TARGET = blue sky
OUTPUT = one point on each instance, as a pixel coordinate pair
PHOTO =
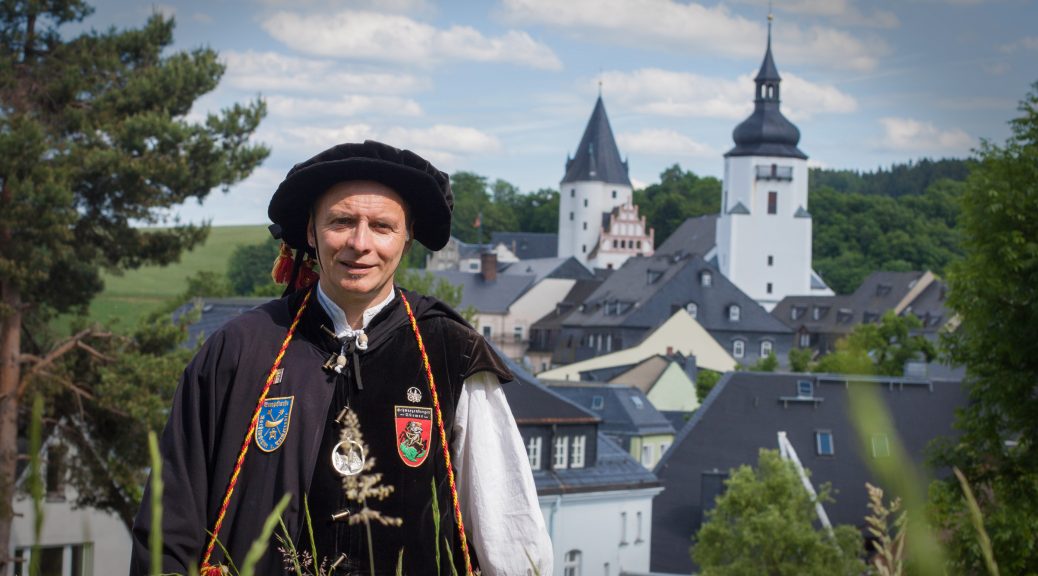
(504, 88)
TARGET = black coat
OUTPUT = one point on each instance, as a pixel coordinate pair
(214, 403)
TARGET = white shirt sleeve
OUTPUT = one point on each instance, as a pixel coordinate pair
(495, 485)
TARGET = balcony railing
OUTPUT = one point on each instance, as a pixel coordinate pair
(774, 172)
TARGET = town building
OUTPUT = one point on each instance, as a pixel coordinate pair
(598, 222)
(667, 380)
(746, 411)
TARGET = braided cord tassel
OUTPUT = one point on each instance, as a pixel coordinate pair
(443, 435)
(207, 569)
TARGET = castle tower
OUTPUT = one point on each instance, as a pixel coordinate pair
(595, 183)
(764, 229)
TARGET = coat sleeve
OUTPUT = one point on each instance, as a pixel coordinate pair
(495, 485)
(186, 447)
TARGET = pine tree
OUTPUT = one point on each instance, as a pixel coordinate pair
(94, 140)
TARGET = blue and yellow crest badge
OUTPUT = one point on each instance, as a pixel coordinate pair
(272, 426)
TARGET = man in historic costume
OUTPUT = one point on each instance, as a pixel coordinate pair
(259, 410)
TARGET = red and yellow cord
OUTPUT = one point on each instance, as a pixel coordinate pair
(443, 435)
(208, 569)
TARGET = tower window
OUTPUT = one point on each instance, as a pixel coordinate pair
(614, 193)
(583, 248)
(585, 225)
(572, 192)
(772, 202)
(771, 260)
(571, 216)
(769, 287)
(585, 202)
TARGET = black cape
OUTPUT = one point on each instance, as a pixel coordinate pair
(214, 404)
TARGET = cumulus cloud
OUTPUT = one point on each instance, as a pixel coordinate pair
(908, 135)
(367, 35)
(275, 72)
(353, 105)
(664, 143)
(693, 26)
(440, 143)
(668, 93)
(1025, 43)
(843, 12)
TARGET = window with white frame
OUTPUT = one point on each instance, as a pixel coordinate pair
(560, 454)
(646, 455)
(638, 527)
(765, 348)
(623, 528)
(693, 309)
(578, 448)
(805, 389)
(706, 278)
(571, 563)
(487, 332)
(517, 332)
(805, 339)
(533, 451)
(824, 443)
(738, 348)
(733, 313)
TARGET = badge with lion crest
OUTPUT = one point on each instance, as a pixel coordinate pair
(413, 434)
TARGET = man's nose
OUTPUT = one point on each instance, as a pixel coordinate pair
(360, 238)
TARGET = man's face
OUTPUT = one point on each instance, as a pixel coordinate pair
(360, 231)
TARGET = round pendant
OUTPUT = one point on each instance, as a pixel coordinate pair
(348, 458)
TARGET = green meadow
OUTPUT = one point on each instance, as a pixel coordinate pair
(130, 296)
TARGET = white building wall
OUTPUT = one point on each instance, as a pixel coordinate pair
(745, 241)
(106, 536)
(579, 233)
(603, 526)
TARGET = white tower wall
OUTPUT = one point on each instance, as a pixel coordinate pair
(581, 205)
(746, 241)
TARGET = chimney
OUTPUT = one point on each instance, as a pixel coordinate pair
(488, 265)
(670, 350)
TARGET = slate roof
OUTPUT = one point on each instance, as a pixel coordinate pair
(625, 410)
(573, 299)
(693, 236)
(649, 304)
(493, 297)
(878, 293)
(597, 158)
(541, 268)
(214, 313)
(534, 403)
(745, 412)
(614, 469)
(528, 245)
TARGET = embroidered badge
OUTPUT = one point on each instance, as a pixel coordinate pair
(272, 426)
(413, 433)
(414, 395)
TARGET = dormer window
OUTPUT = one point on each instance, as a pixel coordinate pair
(693, 309)
(597, 402)
(533, 452)
(637, 402)
(805, 389)
(844, 315)
(560, 454)
(578, 451)
(706, 279)
(796, 312)
(818, 312)
(733, 313)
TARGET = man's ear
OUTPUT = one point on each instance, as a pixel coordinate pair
(310, 239)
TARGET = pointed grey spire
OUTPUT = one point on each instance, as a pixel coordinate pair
(597, 158)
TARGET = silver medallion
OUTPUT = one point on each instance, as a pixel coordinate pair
(348, 458)
(414, 395)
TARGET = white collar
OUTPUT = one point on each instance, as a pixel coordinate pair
(342, 328)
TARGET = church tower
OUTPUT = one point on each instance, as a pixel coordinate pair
(764, 229)
(595, 186)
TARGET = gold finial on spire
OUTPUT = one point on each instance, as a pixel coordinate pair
(599, 81)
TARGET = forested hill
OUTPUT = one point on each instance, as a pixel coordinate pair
(899, 180)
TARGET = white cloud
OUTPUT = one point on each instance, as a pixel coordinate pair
(908, 135)
(842, 12)
(352, 105)
(694, 26)
(366, 35)
(275, 72)
(996, 68)
(1025, 43)
(667, 93)
(663, 143)
(440, 144)
(202, 18)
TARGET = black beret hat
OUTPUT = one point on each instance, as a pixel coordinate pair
(426, 190)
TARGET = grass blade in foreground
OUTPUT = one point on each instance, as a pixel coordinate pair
(155, 538)
(978, 523)
(259, 546)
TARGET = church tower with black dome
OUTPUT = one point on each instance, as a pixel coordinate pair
(764, 229)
